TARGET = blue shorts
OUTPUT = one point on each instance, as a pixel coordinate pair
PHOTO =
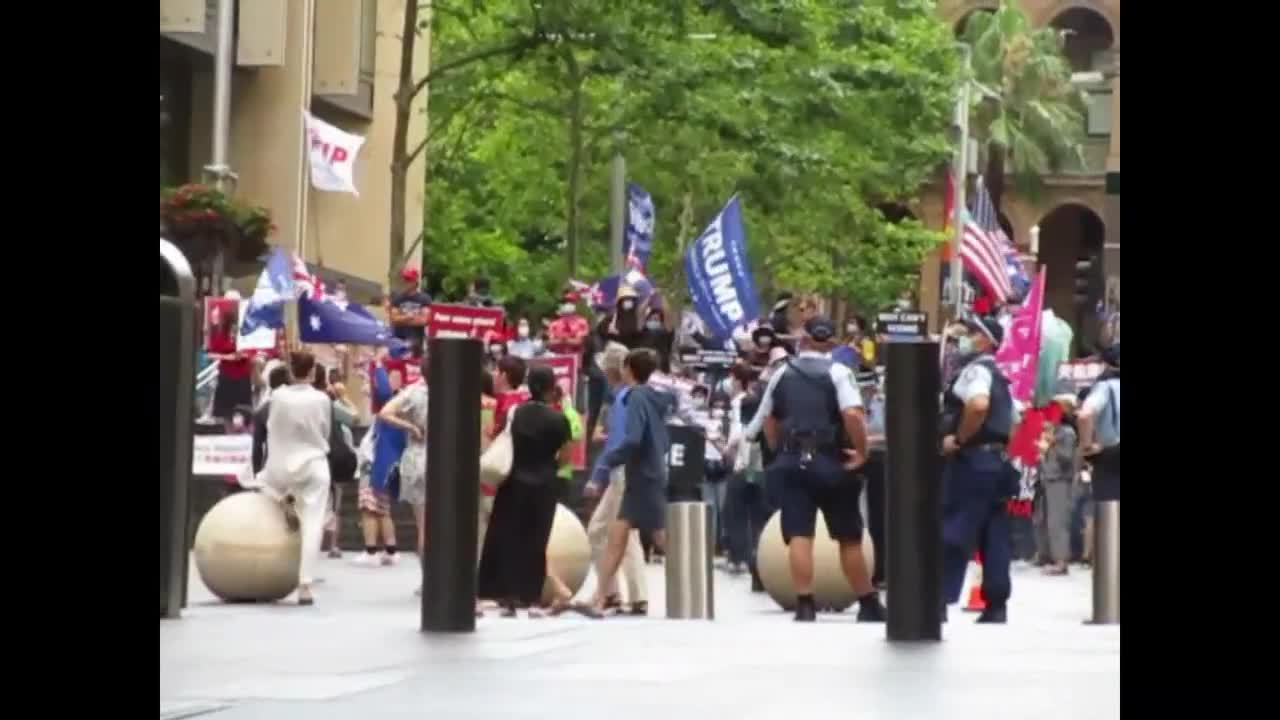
(824, 485)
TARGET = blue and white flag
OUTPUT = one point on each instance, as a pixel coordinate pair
(328, 321)
(719, 276)
(637, 241)
(275, 285)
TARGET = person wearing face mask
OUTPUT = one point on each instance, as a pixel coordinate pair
(656, 336)
(524, 345)
(718, 461)
(567, 333)
(978, 479)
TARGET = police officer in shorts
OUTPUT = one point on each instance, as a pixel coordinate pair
(977, 479)
(812, 416)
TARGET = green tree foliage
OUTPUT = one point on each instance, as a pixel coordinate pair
(1027, 113)
(816, 113)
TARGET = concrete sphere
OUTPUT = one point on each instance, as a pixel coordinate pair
(830, 588)
(569, 552)
(244, 550)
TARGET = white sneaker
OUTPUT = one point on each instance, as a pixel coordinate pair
(389, 559)
(364, 559)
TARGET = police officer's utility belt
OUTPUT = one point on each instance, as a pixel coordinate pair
(997, 447)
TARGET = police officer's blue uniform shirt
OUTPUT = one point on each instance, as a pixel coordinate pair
(847, 395)
(974, 381)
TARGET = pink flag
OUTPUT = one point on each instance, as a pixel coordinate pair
(1020, 350)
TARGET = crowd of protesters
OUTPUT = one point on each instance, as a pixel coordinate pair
(642, 370)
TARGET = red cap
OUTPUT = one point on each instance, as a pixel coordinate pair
(409, 274)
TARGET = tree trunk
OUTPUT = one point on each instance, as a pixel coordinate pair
(575, 159)
(994, 177)
(400, 138)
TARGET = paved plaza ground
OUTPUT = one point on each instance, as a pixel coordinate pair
(358, 655)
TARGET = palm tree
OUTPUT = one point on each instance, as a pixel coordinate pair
(1027, 112)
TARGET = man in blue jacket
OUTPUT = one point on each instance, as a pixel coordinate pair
(642, 451)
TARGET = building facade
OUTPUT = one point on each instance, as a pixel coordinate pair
(1078, 214)
(338, 58)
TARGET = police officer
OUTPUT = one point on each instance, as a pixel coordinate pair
(811, 414)
(978, 416)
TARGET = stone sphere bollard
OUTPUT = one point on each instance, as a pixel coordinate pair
(830, 588)
(245, 552)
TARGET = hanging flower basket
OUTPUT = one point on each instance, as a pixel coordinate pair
(203, 221)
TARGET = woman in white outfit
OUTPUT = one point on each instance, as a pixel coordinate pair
(296, 473)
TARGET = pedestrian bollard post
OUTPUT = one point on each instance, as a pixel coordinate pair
(1106, 563)
(453, 485)
(690, 546)
(688, 557)
(177, 392)
(913, 526)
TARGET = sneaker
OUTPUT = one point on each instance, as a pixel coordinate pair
(871, 610)
(365, 559)
(806, 611)
(994, 615)
(389, 559)
(336, 554)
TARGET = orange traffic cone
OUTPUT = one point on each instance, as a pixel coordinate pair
(976, 602)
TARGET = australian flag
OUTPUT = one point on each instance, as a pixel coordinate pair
(637, 241)
(331, 320)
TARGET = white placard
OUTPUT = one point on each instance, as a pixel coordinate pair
(221, 455)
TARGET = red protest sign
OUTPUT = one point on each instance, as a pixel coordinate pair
(465, 321)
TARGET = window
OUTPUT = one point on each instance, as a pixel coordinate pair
(1098, 123)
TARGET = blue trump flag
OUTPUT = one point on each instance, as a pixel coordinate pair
(275, 285)
(720, 282)
(329, 321)
(637, 240)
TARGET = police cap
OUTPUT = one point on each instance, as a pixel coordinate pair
(987, 326)
(820, 328)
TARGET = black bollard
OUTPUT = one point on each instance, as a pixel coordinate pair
(914, 485)
(453, 485)
(177, 393)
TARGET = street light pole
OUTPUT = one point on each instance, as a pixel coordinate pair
(960, 173)
(618, 186)
(218, 172)
(617, 205)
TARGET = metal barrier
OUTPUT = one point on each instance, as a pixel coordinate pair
(177, 390)
(1106, 563)
(688, 557)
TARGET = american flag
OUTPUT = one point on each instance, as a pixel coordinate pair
(982, 249)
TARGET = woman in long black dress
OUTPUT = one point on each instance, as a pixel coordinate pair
(513, 562)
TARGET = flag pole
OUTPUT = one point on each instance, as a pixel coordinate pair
(960, 173)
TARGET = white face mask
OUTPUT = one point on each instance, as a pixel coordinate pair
(653, 324)
(904, 304)
(717, 413)
(566, 309)
(523, 331)
(765, 341)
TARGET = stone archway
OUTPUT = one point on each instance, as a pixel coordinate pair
(1071, 240)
